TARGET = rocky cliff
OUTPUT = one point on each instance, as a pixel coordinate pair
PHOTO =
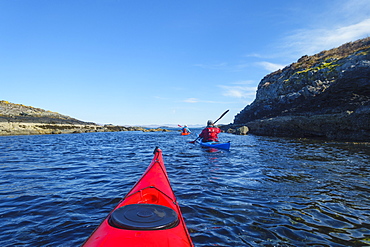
(325, 95)
(18, 119)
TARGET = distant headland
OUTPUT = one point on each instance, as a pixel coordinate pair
(18, 119)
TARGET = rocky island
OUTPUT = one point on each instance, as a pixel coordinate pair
(326, 95)
(18, 119)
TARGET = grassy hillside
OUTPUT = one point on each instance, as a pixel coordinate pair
(10, 112)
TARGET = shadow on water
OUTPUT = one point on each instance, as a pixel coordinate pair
(54, 190)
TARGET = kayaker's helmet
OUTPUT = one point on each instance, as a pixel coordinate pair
(185, 125)
(209, 123)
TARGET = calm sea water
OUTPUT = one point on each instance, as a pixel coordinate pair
(55, 189)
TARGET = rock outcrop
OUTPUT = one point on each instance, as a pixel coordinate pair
(325, 95)
(17, 119)
(243, 130)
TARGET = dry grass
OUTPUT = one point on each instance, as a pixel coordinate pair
(336, 53)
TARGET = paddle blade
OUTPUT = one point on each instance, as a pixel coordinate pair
(195, 140)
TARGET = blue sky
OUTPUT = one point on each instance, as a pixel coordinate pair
(160, 62)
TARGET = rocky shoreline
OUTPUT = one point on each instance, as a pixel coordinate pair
(347, 126)
(17, 119)
(20, 128)
(326, 95)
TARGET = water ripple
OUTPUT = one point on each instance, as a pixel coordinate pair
(54, 190)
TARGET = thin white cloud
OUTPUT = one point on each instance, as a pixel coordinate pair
(254, 55)
(355, 11)
(191, 100)
(245, 82)
(271, 67)
(308, 42)
(239, 91)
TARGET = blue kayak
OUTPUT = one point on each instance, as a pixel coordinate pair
(219, 145)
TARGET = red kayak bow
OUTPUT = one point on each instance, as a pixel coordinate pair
(147, 216)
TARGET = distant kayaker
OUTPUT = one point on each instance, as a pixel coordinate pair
(185, 129)
(210, 133)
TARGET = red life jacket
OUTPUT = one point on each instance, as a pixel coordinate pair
(210, 134)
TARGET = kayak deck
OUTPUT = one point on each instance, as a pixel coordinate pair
(148, 215)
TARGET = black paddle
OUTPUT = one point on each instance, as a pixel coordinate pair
(223, 114)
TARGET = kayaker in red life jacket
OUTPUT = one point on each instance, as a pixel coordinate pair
(210, 133)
